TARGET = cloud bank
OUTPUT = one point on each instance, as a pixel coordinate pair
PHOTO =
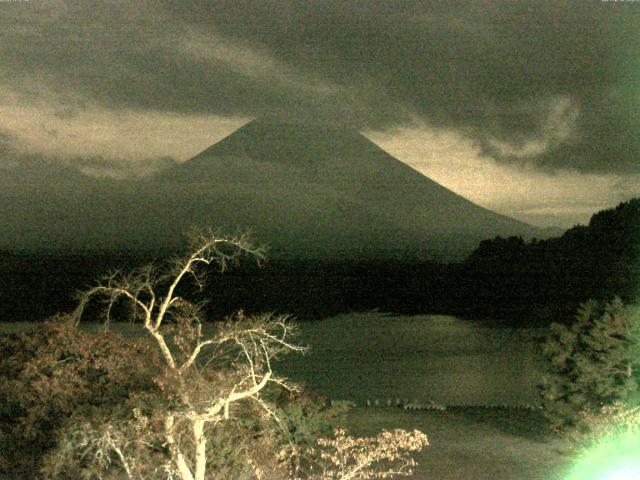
(552, 85)
(527, 108)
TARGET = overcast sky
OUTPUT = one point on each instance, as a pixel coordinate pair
(530, 108)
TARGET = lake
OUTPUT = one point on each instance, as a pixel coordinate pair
(452, 361)
(372, 356)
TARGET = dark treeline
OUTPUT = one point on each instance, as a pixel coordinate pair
(544, 281)
(316, 289)
(504, 279)
(36, 286)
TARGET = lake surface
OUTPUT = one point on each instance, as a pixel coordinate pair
(368, 356)
(452, 361)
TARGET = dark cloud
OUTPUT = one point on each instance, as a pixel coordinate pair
(552, 84)
(18, 165)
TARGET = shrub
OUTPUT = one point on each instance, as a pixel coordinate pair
(611, 448)
(131, 440)
(52, 370)
(343, 457)
(606, 424)
(202, 403)
(592, 363)
(306, 418)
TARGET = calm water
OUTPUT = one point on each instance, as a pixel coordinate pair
(372, 356)
(452, 361)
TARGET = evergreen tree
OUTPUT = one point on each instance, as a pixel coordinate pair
(591, 363)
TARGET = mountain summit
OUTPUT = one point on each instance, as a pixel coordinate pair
(326, 189)
(306, 190)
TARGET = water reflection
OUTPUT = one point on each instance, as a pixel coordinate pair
(447, 359)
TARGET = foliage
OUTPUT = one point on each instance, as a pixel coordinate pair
(506, 277)
(387, 455)
(590, 364)
(307, 418)
(607, 423)
(204, 403)
(93, 447)
(611, 449)
(53, 370)
(131, 441)
(102, 442)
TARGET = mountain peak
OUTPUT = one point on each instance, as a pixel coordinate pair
(298, 122)
(306, 189)
(267, 139)
(329, 183)
(287, 143)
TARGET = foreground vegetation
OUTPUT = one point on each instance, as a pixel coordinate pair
(179, 399)
(179, 402)
(465, 442)
(592, 365)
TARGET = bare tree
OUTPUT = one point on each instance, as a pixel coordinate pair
(193, 355)
(207, 372)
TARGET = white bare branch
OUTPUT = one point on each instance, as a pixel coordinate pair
(244, 348)
(178, 456)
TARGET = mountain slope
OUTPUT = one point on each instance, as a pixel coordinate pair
(346, 184)
(304, 190)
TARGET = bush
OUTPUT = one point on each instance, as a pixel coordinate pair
(202, 403)
(611, 449)
(100, 441)
(607, 424)
(108, 443)
(53, 370)
(343, 457)
(592, 363)
(307, 418)
(68, 398)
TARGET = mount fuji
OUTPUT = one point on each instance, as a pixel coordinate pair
(304, 190)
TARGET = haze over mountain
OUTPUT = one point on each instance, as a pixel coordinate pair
(306, 190)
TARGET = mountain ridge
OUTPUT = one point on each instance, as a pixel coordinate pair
(306, 190)
(343, 161)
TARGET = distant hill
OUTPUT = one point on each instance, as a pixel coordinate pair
(306, 190)
(509, 278)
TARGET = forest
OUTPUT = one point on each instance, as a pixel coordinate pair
(505, 280)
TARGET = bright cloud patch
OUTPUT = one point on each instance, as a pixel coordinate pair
(79, 129)
(563, 198)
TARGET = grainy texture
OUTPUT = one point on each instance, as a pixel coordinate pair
(454, 362)
(473, 443)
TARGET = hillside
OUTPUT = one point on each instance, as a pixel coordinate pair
(312, 191)
(509, 278)
(329, 189)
